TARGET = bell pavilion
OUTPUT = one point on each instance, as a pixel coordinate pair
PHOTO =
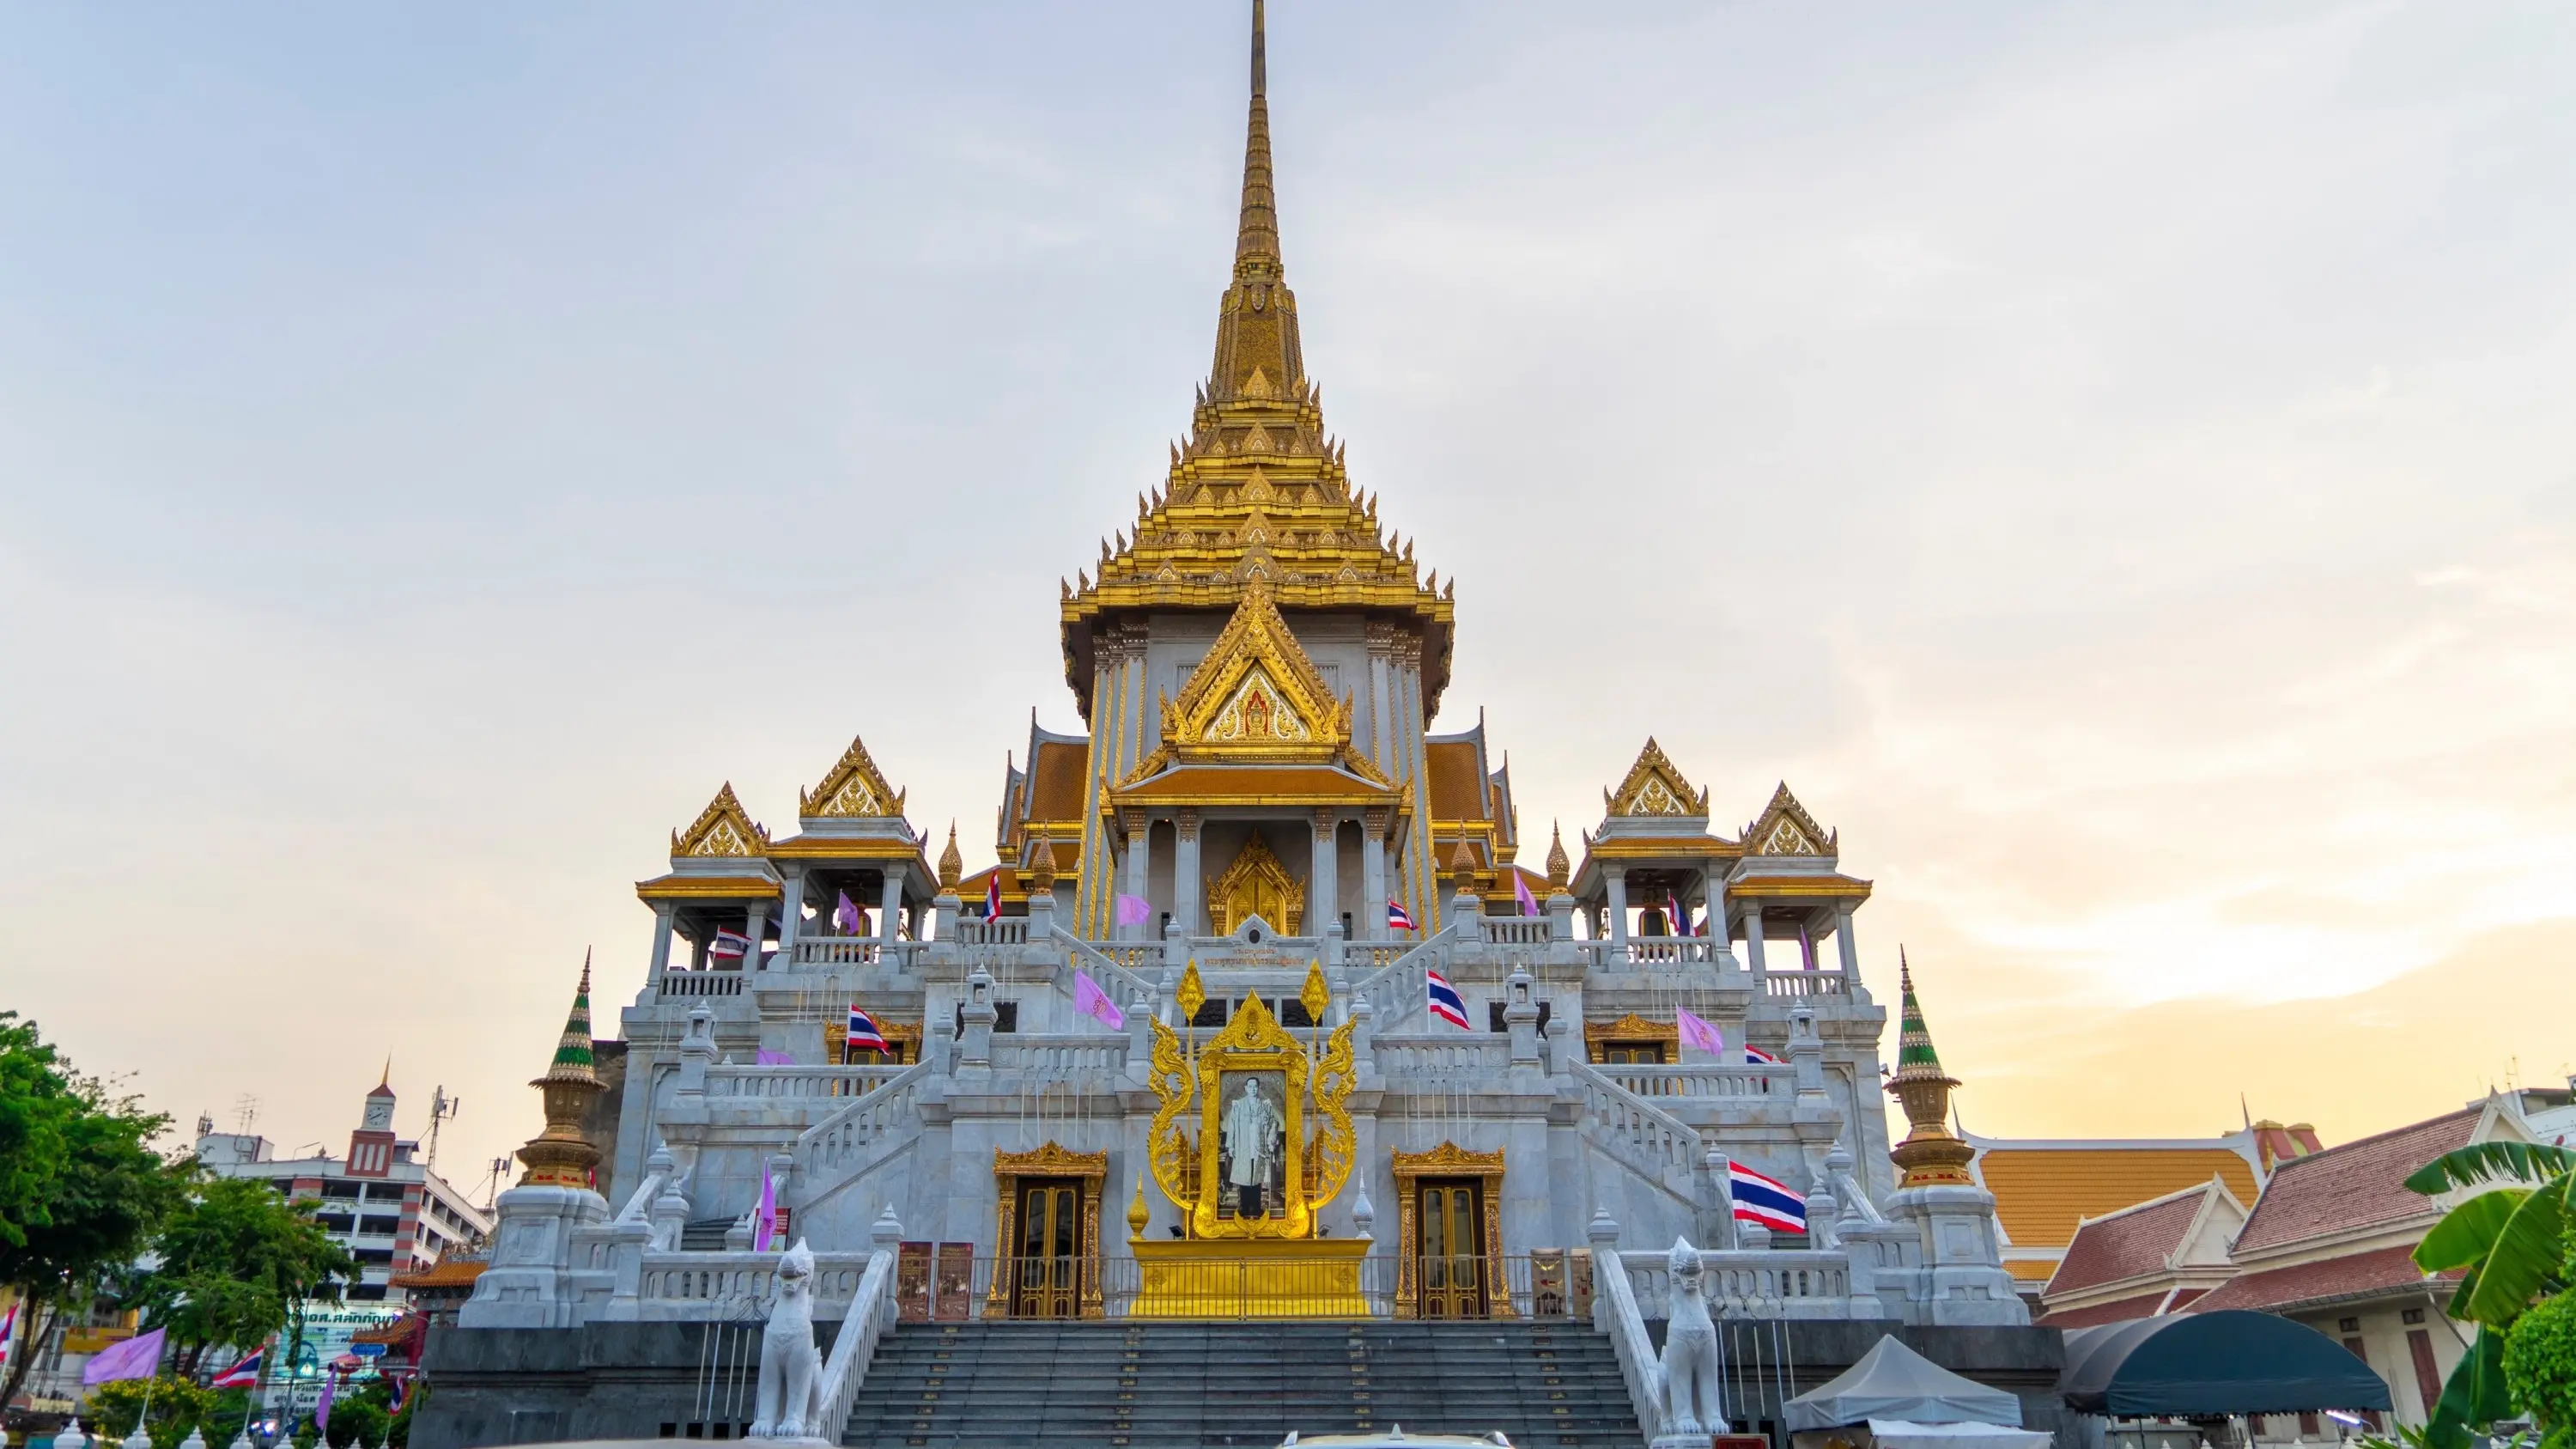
(1258, 1014)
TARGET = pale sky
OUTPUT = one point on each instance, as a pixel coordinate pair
(2114, 462)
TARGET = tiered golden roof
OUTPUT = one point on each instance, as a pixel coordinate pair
(1258, 493)
(853, 787)
(1785, 828)
(1654, 786)
(723, 828)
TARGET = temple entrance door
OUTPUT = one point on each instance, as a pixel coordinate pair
(1453, 1248)
(1047, 1270)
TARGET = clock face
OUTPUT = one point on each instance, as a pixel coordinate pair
(380, 1114)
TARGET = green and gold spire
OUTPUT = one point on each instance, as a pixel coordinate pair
(1931, 1154)
(561, 1156)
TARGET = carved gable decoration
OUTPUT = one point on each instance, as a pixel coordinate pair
(721, 829)
(852, 787)
(1256, 696)
(1785, 828)
(1655, 787)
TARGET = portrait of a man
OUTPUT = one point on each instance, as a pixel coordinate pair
(1252, 1142)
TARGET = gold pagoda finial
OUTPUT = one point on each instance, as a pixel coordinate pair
(1931, 1154)
(1257, 351)
(1557, 867)
(951, 865)
(1462, 869)
(560, 1156)
(1041, 863)
(1257, 233)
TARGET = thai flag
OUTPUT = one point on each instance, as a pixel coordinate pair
(731, 945)
(1757, 1057)
(1446, 1003)
(1396, 916)
(993, 895)
(1680, 915)
(1765, 1201)
(863, 1031)
(243, 1374)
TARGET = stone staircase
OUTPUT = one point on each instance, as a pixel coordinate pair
(1186, 1385)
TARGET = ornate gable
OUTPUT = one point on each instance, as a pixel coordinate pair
(1256, 697)
(721, 829)
(852, 787)
(1655, 787)
(1785, 828)
(1256, 884)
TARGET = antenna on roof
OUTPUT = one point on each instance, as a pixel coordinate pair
(441, 1107)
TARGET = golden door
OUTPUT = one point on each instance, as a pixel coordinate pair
(1453, 1249)
(1049, 1268)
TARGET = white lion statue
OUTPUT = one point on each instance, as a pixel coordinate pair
(1692, 1406)
(791, 1368)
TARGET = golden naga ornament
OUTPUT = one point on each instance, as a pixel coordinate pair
(1250, 1085)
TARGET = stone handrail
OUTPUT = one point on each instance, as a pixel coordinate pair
(1053, 1055)
(871, 1312)
(1690, 1082)
(1395, 990)
(1670, 950)
(1129, 990)
(1515, 930)
(1007, 931)
(1751, 1283)
(641, 1202)
(838, 1142)
(699, 983)
(1803, 983)
(1659, 1146)
(1615, 1313)
(713, 1285)
(1374, 955)
(797, 1082)
(837, 950)
(1454, 1052)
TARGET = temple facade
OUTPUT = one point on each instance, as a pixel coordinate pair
(1257, 1000)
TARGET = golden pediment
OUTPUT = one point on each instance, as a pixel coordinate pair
(1050, 1160)
(1448, 1160)
(722, 829)
(854, 787)
(1256, 884)
(1631, 1027)
(1785, 828)
(1655, 787)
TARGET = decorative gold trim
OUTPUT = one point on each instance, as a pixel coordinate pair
(1254, 875)
(722, 829)
(1785, 828)
(853, 787)
(706, 888)
(1654, 786)
(1253, 1041)
(1800, 887)
(1597, 1035)
(1448, 1160)
(1047, 1160)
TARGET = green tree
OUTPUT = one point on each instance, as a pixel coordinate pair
(2510, 1246)
(80, 1190)
(178, 1405)
(233, 1258)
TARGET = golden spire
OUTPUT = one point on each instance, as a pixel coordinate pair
(1931, 1154)
(951, 865)
(560, 1156)
(1257, 352)
(1557, 867)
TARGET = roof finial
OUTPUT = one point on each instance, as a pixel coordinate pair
(1932, 1154)
(1257, 235)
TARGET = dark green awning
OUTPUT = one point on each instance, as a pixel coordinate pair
(2233, 1361)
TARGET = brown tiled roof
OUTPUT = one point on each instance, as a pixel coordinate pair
(2126, 1244)
(1057, 780)
(445, 1273)
(2041, 1193)
(1457, 786)
(2382, 1270)
(2116, 1311)
(399, 1331)
(2352, 1186)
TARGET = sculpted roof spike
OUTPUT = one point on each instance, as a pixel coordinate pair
(951, 865)
(1557, 865)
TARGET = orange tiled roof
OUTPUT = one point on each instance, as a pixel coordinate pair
(445, 1273)
(2030, 1270)
(2042, 1192)
(1057, 779)
(1457, 788)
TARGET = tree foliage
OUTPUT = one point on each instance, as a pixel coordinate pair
(233, 1258)
(2539, 1363)
(80, 1188)
(2510, 1245)
(178, 1405)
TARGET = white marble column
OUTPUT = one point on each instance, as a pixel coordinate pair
(1373, 877)
(1753, 956)
(1850, 948)
(1140, 836)
(1323, 900)
(662, 914)
(1616, 880)
(1185, 872)
(890, 904)
(755, 924)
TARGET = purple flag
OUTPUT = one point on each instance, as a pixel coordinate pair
(1806, 946)
(1521, 893)
(1134, 910)
(845, 916)
(764, 1223)
(1093, 1002)
(764, 1057)
(322, 1406)
(135, 1358)
(1697, 1034)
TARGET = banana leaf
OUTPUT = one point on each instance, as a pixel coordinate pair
(2486, 1161)
(2523, 1261)
(2466, 1232)
(2474, 1396)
